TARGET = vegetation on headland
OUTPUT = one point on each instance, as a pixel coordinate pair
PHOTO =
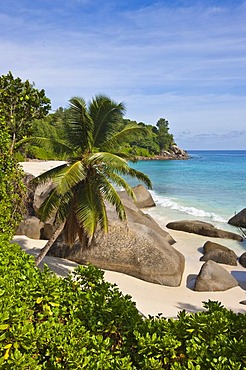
(26, 111)
(152, 141)
(81, 321)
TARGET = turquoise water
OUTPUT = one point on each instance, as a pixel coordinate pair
(210, 186)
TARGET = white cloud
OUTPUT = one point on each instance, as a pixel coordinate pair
(186, 64)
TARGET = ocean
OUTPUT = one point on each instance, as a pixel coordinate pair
(210, 186)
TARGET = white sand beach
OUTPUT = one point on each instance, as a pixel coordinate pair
(152, 299)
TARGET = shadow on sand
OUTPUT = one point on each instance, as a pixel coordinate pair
(240, 276)
(59, 266)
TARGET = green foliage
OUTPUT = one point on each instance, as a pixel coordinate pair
(213, 339)
(20, 103)
(138, 151)
(165, 139)
(52, 129)
(79, 322)
(12, 190)
(83, 322)
(146, 143)
(85, 184)
(124, 137)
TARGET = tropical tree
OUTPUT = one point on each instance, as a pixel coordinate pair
(47, 137)
(85, 184)
(146, 143)
(165, 139)
(20, 103)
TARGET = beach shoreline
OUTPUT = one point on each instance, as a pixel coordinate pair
(152, 299)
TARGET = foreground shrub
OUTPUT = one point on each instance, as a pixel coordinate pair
(212, 339)
(12, 190)
(51, 323)
(83, 322)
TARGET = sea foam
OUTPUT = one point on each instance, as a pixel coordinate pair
(193, 211)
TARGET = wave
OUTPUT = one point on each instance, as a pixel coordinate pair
(172, 204)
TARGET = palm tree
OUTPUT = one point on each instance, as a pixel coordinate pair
(84, 185)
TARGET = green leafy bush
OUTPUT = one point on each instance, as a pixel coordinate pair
(83, 322)
(212, 339)
(51, 323)
(12, 190)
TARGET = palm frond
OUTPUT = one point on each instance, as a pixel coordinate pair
(60, 148)
(119, 181)
(110, 194)
(80, 126)
(39, 141)
(65, 206)
(140, 176)
(49, 175)
(128, 133)
(105, 114)
(107, 159)
(50, 205)
(89, 208)
(70, 176)
(118, 165)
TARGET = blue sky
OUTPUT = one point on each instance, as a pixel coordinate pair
(181, 60)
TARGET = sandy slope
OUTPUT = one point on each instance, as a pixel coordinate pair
(152, 298)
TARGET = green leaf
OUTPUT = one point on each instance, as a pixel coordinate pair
(39, 300)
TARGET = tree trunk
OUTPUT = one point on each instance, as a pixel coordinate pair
(11, 150)
(49, 244)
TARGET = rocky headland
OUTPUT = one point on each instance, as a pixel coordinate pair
(174, 153)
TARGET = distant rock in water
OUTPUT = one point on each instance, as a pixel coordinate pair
(239, 219)
(178, 152)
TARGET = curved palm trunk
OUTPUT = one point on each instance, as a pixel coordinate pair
(49, 244)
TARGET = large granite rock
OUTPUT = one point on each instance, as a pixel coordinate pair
(218, 253)
(213, 277)
(31, 226)
(41, 194)
(48, 229)
(140, 247)
(203, 228)
(143, 197)
(136, 217)
(242, 259)
(30, 193)
(178, 152)
(134, 214)
(133, 249)
(239, 219)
